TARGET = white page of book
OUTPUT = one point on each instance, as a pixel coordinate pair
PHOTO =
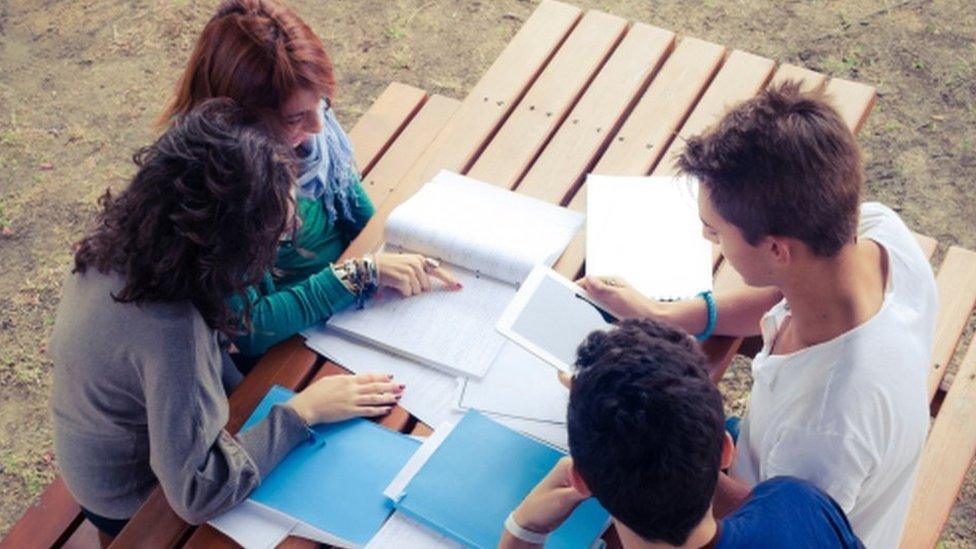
(430, 395)
(647, 231)
(518, 384)
(399, 532)
(453, 331)
(482, 227)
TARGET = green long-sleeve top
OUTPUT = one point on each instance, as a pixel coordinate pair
(305, 290)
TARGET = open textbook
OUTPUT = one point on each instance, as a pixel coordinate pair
(490, 238)
(646, 230)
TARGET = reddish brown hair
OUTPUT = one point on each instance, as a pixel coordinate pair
(783, 163)
(258, 53)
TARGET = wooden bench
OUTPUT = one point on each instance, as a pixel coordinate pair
(572, 93)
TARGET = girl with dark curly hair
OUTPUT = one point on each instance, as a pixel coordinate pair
(261, 54)
(141, 371)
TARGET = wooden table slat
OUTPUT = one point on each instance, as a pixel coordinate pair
(481, 113)
(47, 521)
(409, 146)
(383, 121)
(741, 77)
(85, 536)
(956, 282)
(809, 80)
(853, 100)
(948, 454)
(587, 130)
(543, 107)
(208, 537)
(650, 126)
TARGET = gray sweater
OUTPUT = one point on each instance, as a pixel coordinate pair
(140, 397)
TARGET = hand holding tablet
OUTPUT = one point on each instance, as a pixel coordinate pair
(550, 316)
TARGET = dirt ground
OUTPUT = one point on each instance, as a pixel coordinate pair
(81, 81)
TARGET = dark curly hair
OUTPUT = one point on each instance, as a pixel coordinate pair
(783, 163)
(201, 219)
(646, 428)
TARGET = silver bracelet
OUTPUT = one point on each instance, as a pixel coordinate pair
(527, 536)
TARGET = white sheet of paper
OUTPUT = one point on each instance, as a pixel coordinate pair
(482, 227)
(518, 384)
(252, 526)
(399, 532)
(430, 394)
(647, 231)
(257, 526)
(449, 330)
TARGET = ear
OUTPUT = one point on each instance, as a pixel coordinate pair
(728, 451)
(578, 483)
(780, 250)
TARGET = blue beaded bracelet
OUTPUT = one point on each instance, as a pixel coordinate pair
(712, 316)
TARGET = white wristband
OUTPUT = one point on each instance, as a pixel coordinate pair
(527, 536)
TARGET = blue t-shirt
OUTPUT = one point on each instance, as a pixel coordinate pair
(787, 512)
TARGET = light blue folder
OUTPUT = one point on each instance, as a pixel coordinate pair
(478, 475)
(336, 482)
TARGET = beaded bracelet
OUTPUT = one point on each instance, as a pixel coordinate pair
(712, 316)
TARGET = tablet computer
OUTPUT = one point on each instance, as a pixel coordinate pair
(550, 316)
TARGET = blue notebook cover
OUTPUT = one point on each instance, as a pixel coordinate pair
(478, 475)
(336, 482)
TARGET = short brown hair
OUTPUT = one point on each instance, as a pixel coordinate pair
(258, 53)
(783, 163)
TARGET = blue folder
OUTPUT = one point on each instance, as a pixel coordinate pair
(335, 483)
(478, 475)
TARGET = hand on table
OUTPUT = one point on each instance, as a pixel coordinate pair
(412, 274)
(337, 398)
(551, 502)
(617, 296)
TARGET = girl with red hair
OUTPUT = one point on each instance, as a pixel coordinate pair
(262, 55)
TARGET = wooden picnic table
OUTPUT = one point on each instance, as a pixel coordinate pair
(572, 93)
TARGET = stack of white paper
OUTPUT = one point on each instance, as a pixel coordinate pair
(647, 231)
(433, 396)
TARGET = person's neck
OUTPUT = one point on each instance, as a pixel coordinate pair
(702, 535)
(831, 296)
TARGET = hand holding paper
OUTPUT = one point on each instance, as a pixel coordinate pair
(617, 296)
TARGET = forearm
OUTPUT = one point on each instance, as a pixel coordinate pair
(738, 311)
(730, 494)
(285, 312)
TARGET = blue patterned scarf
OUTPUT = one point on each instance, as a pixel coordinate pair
(327, 171)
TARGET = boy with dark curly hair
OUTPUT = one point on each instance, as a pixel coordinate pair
(647, 439)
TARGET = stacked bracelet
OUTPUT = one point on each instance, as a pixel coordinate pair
(712, 316)
(359, 276)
